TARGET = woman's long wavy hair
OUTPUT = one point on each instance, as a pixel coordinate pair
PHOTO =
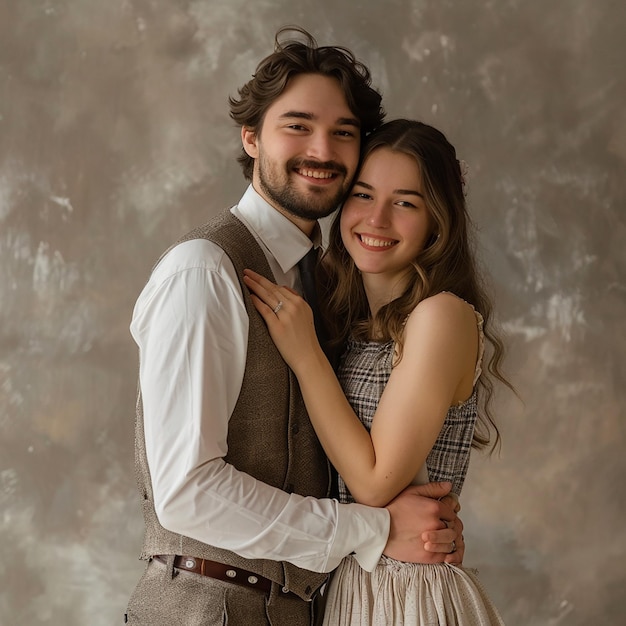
(445, 264)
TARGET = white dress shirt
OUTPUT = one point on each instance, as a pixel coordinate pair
(191, 326)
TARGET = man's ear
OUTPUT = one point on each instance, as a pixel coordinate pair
(249, 141)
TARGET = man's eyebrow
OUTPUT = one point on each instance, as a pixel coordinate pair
(349, 121)
(302, 115)
(299, 114)
(400, 192)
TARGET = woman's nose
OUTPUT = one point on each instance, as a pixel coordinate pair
(379, 215)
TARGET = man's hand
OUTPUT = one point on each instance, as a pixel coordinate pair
(424, 526)
(438, 541)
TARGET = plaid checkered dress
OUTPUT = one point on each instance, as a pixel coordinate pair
(364, 371)
(408, 594)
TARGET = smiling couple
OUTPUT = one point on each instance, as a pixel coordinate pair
(240, 410)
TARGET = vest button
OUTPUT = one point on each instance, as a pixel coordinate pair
(295, 429)
(289, 488)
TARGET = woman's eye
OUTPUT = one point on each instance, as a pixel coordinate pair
(360, 194)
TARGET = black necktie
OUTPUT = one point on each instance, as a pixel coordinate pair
(307, 267)
(307, 276)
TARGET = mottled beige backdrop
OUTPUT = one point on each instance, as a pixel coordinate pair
(115, 140)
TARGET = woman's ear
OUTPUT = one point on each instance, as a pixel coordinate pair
(249, 141)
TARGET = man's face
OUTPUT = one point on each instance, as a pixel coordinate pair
(307, 150)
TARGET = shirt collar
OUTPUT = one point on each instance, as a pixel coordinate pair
(284, 240)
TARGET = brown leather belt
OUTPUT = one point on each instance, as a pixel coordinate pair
(227, 573)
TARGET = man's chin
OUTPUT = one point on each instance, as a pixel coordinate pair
(310, 213)
(306, 200)
(323, 202)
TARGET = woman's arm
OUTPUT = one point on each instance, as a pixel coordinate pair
(436, 370)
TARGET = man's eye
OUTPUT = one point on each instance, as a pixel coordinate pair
(345, 133)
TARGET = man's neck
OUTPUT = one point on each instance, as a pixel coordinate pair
(306, 226)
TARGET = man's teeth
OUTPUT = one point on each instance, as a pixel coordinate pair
(316, 174)
(376, 243)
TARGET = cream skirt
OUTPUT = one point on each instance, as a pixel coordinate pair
(407, 594)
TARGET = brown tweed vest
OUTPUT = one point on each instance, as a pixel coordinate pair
(269, 435)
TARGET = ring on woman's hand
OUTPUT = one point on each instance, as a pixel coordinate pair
(453, 547)
(278, 307)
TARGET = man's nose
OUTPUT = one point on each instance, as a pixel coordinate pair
(320, 147)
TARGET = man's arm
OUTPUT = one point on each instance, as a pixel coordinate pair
(191, 328)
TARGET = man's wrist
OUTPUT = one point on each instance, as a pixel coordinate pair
(364, 531)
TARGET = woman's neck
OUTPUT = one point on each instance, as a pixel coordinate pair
(380, 290)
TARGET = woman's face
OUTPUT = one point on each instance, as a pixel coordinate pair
(385, 223)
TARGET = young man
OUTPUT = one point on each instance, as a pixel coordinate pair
(239, 525)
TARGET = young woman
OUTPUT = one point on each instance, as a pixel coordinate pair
(407, 305)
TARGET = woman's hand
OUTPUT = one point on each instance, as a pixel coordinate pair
(288, 317)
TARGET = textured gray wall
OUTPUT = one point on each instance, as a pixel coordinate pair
(115, 139)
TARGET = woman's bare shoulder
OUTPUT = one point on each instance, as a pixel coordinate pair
(443, 308)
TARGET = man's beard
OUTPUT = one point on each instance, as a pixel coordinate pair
(309, 206)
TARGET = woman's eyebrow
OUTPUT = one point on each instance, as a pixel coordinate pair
(401, 192)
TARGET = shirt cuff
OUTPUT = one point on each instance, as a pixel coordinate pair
(361, 530)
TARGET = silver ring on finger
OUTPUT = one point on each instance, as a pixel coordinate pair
(453, 547)
(278, 307)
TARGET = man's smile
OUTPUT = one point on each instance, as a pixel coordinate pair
(315, 173)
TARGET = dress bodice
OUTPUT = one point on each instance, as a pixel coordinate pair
(363, 372)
